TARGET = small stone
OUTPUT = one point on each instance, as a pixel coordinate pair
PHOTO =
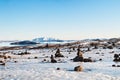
(35, 57)
(100, 59)
(58, 68)
(44, 60)
(118, 65)
(113, 65)
(15, 61)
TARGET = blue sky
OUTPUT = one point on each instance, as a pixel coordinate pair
(63, 19)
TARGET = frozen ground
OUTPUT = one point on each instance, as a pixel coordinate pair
(27, 67)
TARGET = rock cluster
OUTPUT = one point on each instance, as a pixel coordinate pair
(4, 58)
(115, 65)
(24, 53)
(116, 57)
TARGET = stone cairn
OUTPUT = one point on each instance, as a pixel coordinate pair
(52, 59)
(58, 54)
(79, 56)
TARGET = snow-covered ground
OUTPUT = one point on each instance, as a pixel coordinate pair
(27, 67)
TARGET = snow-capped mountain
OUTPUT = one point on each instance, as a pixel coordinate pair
(46, 39)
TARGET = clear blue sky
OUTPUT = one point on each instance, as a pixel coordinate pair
(63, 19)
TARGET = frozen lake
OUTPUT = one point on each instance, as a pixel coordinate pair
(3, 44)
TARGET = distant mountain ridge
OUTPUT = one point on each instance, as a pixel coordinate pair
(26, 42)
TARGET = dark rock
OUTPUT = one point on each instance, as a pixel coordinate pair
(35, 57)
(116, 60)
(97, 53)
(9, 57)
(116, 56)
(52, 59)
(100, 59)
(28, 57)
(2, 64)
(44, 60)
(104, 47)
(87, 60)
(88, 49)
(24, 53)
(77, 59)
(118, 65)
(113, 65)
(110, 47)
(58, 68)
(73, 48)
(5, 57)
(1, 61)
(15, 61)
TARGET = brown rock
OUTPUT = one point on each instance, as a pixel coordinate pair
(78, 68)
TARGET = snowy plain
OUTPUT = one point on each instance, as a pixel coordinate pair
(37, 65)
